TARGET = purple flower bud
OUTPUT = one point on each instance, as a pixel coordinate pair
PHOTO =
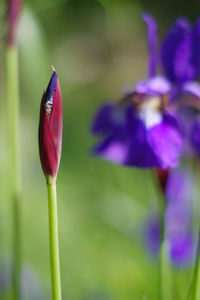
(14, 9)
(50, 128)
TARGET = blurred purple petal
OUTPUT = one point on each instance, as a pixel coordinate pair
(176, 53)
(179, 216)
(180, 183)
(178, 220)
(182, 250)
(152, 42)
(103, 119)
(113, 148)
(155, 86)
(143, 138)
(114, 144)
(192, 88)
(140, 152)
(196, 46)
(166, 139)
(152, 235)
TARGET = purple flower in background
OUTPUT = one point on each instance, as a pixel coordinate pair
(178, 220)
(178, 216)
(152, 235)
(138, 130)
(143, 137)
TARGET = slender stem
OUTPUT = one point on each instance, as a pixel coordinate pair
(163, 264)
(14, 159)
(165, 281)
(53, 241)
(195, 285)
(161, 254)
(194, 288)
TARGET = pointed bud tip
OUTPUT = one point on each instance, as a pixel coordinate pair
(53, 69)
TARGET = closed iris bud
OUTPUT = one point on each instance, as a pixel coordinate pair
(50, 128)
(13, 13)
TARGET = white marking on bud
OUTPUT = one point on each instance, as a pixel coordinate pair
(48, 105)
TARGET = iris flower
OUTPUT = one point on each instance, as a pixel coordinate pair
(138, 130)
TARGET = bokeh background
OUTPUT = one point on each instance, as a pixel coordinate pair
(98, 49)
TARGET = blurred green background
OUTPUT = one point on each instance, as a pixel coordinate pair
(98, 49)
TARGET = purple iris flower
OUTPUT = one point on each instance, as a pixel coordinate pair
(144, 138)
(138, 130)
(178, 221)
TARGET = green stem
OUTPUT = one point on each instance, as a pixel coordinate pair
(195, 286)
(53, 241)
(165, 280)
(162, 250)
(14, 159)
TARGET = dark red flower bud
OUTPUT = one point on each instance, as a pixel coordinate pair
(50, 128)
(14, 9)
(162, 177)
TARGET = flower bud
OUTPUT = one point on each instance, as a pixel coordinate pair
(50, 128)
(13, 13)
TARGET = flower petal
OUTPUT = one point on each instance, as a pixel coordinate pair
(140, 152)
(192, 88)
(152, 42)
(166, 140)
(155, 86)
(176, 53)
(113, 148)
(196, 46)
(182, 249)
(103, 121)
